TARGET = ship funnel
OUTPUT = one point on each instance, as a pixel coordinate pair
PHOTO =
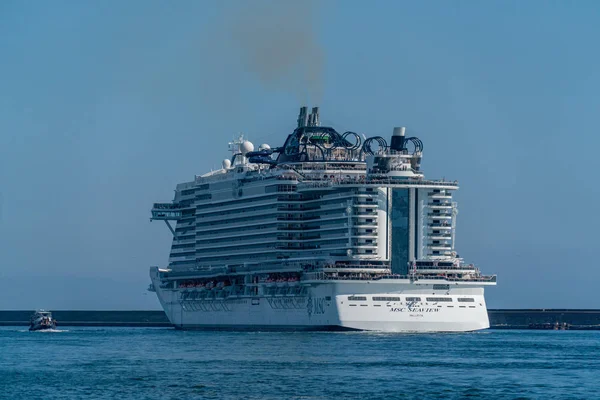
(302, 117)
(315, 114)
(311, 119)
(398, 139)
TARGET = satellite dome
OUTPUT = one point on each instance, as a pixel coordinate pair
(226, 163)
(264, 146)
(246, 147)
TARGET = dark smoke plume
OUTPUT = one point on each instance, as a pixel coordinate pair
(277, 42)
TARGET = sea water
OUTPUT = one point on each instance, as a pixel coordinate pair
(163, 363)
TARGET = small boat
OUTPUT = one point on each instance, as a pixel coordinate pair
(41, 320)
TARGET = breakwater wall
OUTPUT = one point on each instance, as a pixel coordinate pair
(499, 318)
(550, 318)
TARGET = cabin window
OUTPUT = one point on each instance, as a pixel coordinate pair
(439, 299)
(386, 298)
(466, 300)
(357, 298)
(413, 299)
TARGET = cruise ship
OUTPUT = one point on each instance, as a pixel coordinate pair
(330, 231)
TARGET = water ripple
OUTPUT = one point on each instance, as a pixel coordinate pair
(151, 363)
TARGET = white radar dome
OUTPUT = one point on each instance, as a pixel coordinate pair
(246, 146)
(226, 163)
(264, 146)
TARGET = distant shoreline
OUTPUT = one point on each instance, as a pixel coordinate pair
(549, 319)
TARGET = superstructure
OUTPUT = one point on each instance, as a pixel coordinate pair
(329, 231)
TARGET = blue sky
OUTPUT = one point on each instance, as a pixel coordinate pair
(105, 106)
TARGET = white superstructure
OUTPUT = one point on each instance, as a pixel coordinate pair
(328, 231)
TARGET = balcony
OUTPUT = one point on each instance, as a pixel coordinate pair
(439, 246)
(440, 206)
(363, 244)
(440, 226)
(433, 195)
(438, 236)
(366, 201)
(366, 211)
(439, 215)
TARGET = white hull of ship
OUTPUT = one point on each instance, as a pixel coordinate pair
(326, 307)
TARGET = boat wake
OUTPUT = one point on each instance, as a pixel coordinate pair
(49, 330)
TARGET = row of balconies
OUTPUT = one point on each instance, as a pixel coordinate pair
(180, 257)
(305, 246)
(184, 241)
(292, 217)
(340, 217)
(291, 198)
(217, 252)
(245, 233)
(298, 237)
(314, 235)
(181, 250)
(237, 206)
(260, 239)
(185, 226)
(241, 224)
(294, 228)
(236, 216)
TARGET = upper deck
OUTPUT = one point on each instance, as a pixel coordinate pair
(323, 198)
